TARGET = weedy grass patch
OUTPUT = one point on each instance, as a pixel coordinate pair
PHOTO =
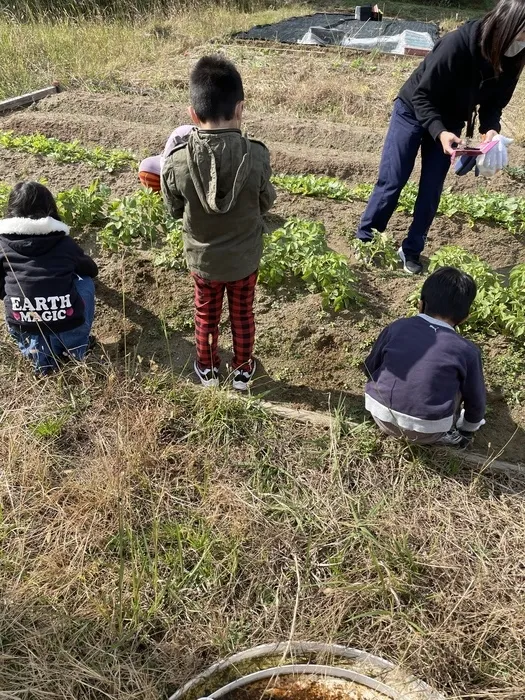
(161, 527)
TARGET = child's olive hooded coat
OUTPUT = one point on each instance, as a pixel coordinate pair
(219, 182)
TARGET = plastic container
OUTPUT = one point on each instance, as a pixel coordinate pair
(316, 661)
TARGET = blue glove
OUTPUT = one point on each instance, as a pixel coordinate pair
(464, 164)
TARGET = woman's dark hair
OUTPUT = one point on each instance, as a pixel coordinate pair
(215, 88)
(448, 293)
(31, 200)
(499, 28)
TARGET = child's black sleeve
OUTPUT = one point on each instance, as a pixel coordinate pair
(173, 199)
(85, 266)
(474, 394)
(375, 359)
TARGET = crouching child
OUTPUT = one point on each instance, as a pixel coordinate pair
(219, 182)
(422, 372)
(46, 280)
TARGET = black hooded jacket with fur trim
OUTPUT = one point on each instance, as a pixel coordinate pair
(39, 264)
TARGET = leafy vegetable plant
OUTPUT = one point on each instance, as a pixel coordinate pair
(516, 172)
(171, 255)
(4, 196)
(314, 186)
(136, 218)
(380, 252)
(299, 249)
(109, 159)
(507, 211)
(490, 299)
(497, 308)
(81, 207)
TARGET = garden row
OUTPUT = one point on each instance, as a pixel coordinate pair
(497, 207)
(297, 250)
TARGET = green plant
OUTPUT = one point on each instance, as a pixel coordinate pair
(139, 217)
(49, 428)
(380, 252)
(507, 371)
(497, 308)
(171, 255)
(486, 312)
(299, 249)
(109, 159)
(313, 186)
(81, 207)
(516, 172)
(514, 313)
(497, 207)
(4, 196)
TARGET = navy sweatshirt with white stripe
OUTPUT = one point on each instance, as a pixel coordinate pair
(417, 369)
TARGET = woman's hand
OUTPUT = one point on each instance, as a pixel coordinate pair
(485, 138)
(450, 142)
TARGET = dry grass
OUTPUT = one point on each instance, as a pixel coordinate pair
(97, 53)
(158, 50)
(148, 528)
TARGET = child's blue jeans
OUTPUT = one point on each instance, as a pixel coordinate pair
(47, 348)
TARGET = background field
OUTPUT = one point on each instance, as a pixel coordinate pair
(148, 529)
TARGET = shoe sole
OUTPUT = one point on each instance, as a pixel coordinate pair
(403, 259)
(208, 383)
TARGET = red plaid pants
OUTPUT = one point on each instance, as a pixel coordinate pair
(208, 308)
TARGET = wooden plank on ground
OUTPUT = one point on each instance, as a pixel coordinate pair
(324, 420)
(28, 99)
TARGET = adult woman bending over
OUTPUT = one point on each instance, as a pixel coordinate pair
(471, 72)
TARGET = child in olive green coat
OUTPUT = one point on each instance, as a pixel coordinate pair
(219, 182)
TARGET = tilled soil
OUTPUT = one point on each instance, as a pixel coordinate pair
(307, 357)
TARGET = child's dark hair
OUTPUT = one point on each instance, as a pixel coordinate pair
(215, 88)
(448, 293)
(31, 200)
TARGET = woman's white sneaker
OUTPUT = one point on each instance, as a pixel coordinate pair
(411, 263)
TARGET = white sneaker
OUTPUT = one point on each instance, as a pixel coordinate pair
(411, 264)
(209, 376)
(454, 438)
(242, 377)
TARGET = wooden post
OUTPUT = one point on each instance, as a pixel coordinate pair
(29, 98)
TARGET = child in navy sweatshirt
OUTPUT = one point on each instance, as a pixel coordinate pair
(421, 371)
